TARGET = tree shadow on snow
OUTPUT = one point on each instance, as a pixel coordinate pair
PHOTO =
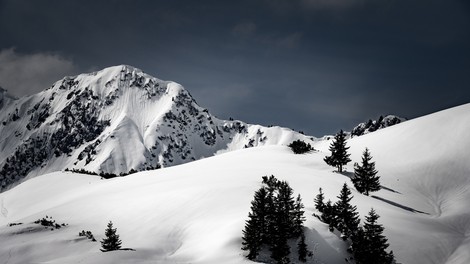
(350, 175)
(398, 205)
(389, 189)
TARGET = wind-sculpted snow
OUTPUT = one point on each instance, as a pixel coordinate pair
(115, 121)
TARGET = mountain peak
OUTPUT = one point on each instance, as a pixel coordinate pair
(114, 121)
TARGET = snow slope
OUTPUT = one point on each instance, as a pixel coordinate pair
(113, 121)
(194, 213)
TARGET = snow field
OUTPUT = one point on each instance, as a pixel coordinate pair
(195, 213)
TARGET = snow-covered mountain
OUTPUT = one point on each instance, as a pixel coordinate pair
(374, 125)
(115, 121)
(195, 212)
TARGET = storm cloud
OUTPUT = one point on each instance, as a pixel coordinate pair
(312, 65)
(23, 74)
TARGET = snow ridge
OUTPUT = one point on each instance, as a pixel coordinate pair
(113, 121)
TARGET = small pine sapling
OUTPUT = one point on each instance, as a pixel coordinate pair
(111, 241)
(319, 201)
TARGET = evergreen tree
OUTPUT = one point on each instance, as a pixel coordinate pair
(339, 152)
(271, 214)
(285, 204)
(275, 217)
(359, 245)
(365, 178)
(255, 227)
(251, 237)
(348, 218)
(329, 215)
(300, 147)
(111, 241)
(319, 201)
(279, 248)
(374, 243)
(282, 225)
(302, 248)
(271, 183)
(298, 217)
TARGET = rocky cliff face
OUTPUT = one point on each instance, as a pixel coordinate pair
(115, 121)
(374, 125)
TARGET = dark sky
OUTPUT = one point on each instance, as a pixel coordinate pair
(311, 65)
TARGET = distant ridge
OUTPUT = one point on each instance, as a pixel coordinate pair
(374, 125)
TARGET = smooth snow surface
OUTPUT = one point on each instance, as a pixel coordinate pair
(195, 212)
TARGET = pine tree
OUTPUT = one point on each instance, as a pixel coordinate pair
(270, 227)
(278, 245)
(319, 201)
(285, 204)
(298, 217)
(365, 178)
(329, 215)
(275, 217)
(300, 147)
(302, 248)
(255, 227)
(251, 237)
(283, 223)
(279, 248)
(374, 243)
(348, 218)
(339, 152)
(111, 241)
(359, 245)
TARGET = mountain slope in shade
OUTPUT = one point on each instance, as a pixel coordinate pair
(195, 212)
(115, 121)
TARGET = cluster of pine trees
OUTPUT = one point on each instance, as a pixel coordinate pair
(368, 244)
(365, 177)
(300, 147)
(275, 218)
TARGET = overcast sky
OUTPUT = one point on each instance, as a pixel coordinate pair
(311, 65)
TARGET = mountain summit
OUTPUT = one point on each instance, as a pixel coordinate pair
(116, 120)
